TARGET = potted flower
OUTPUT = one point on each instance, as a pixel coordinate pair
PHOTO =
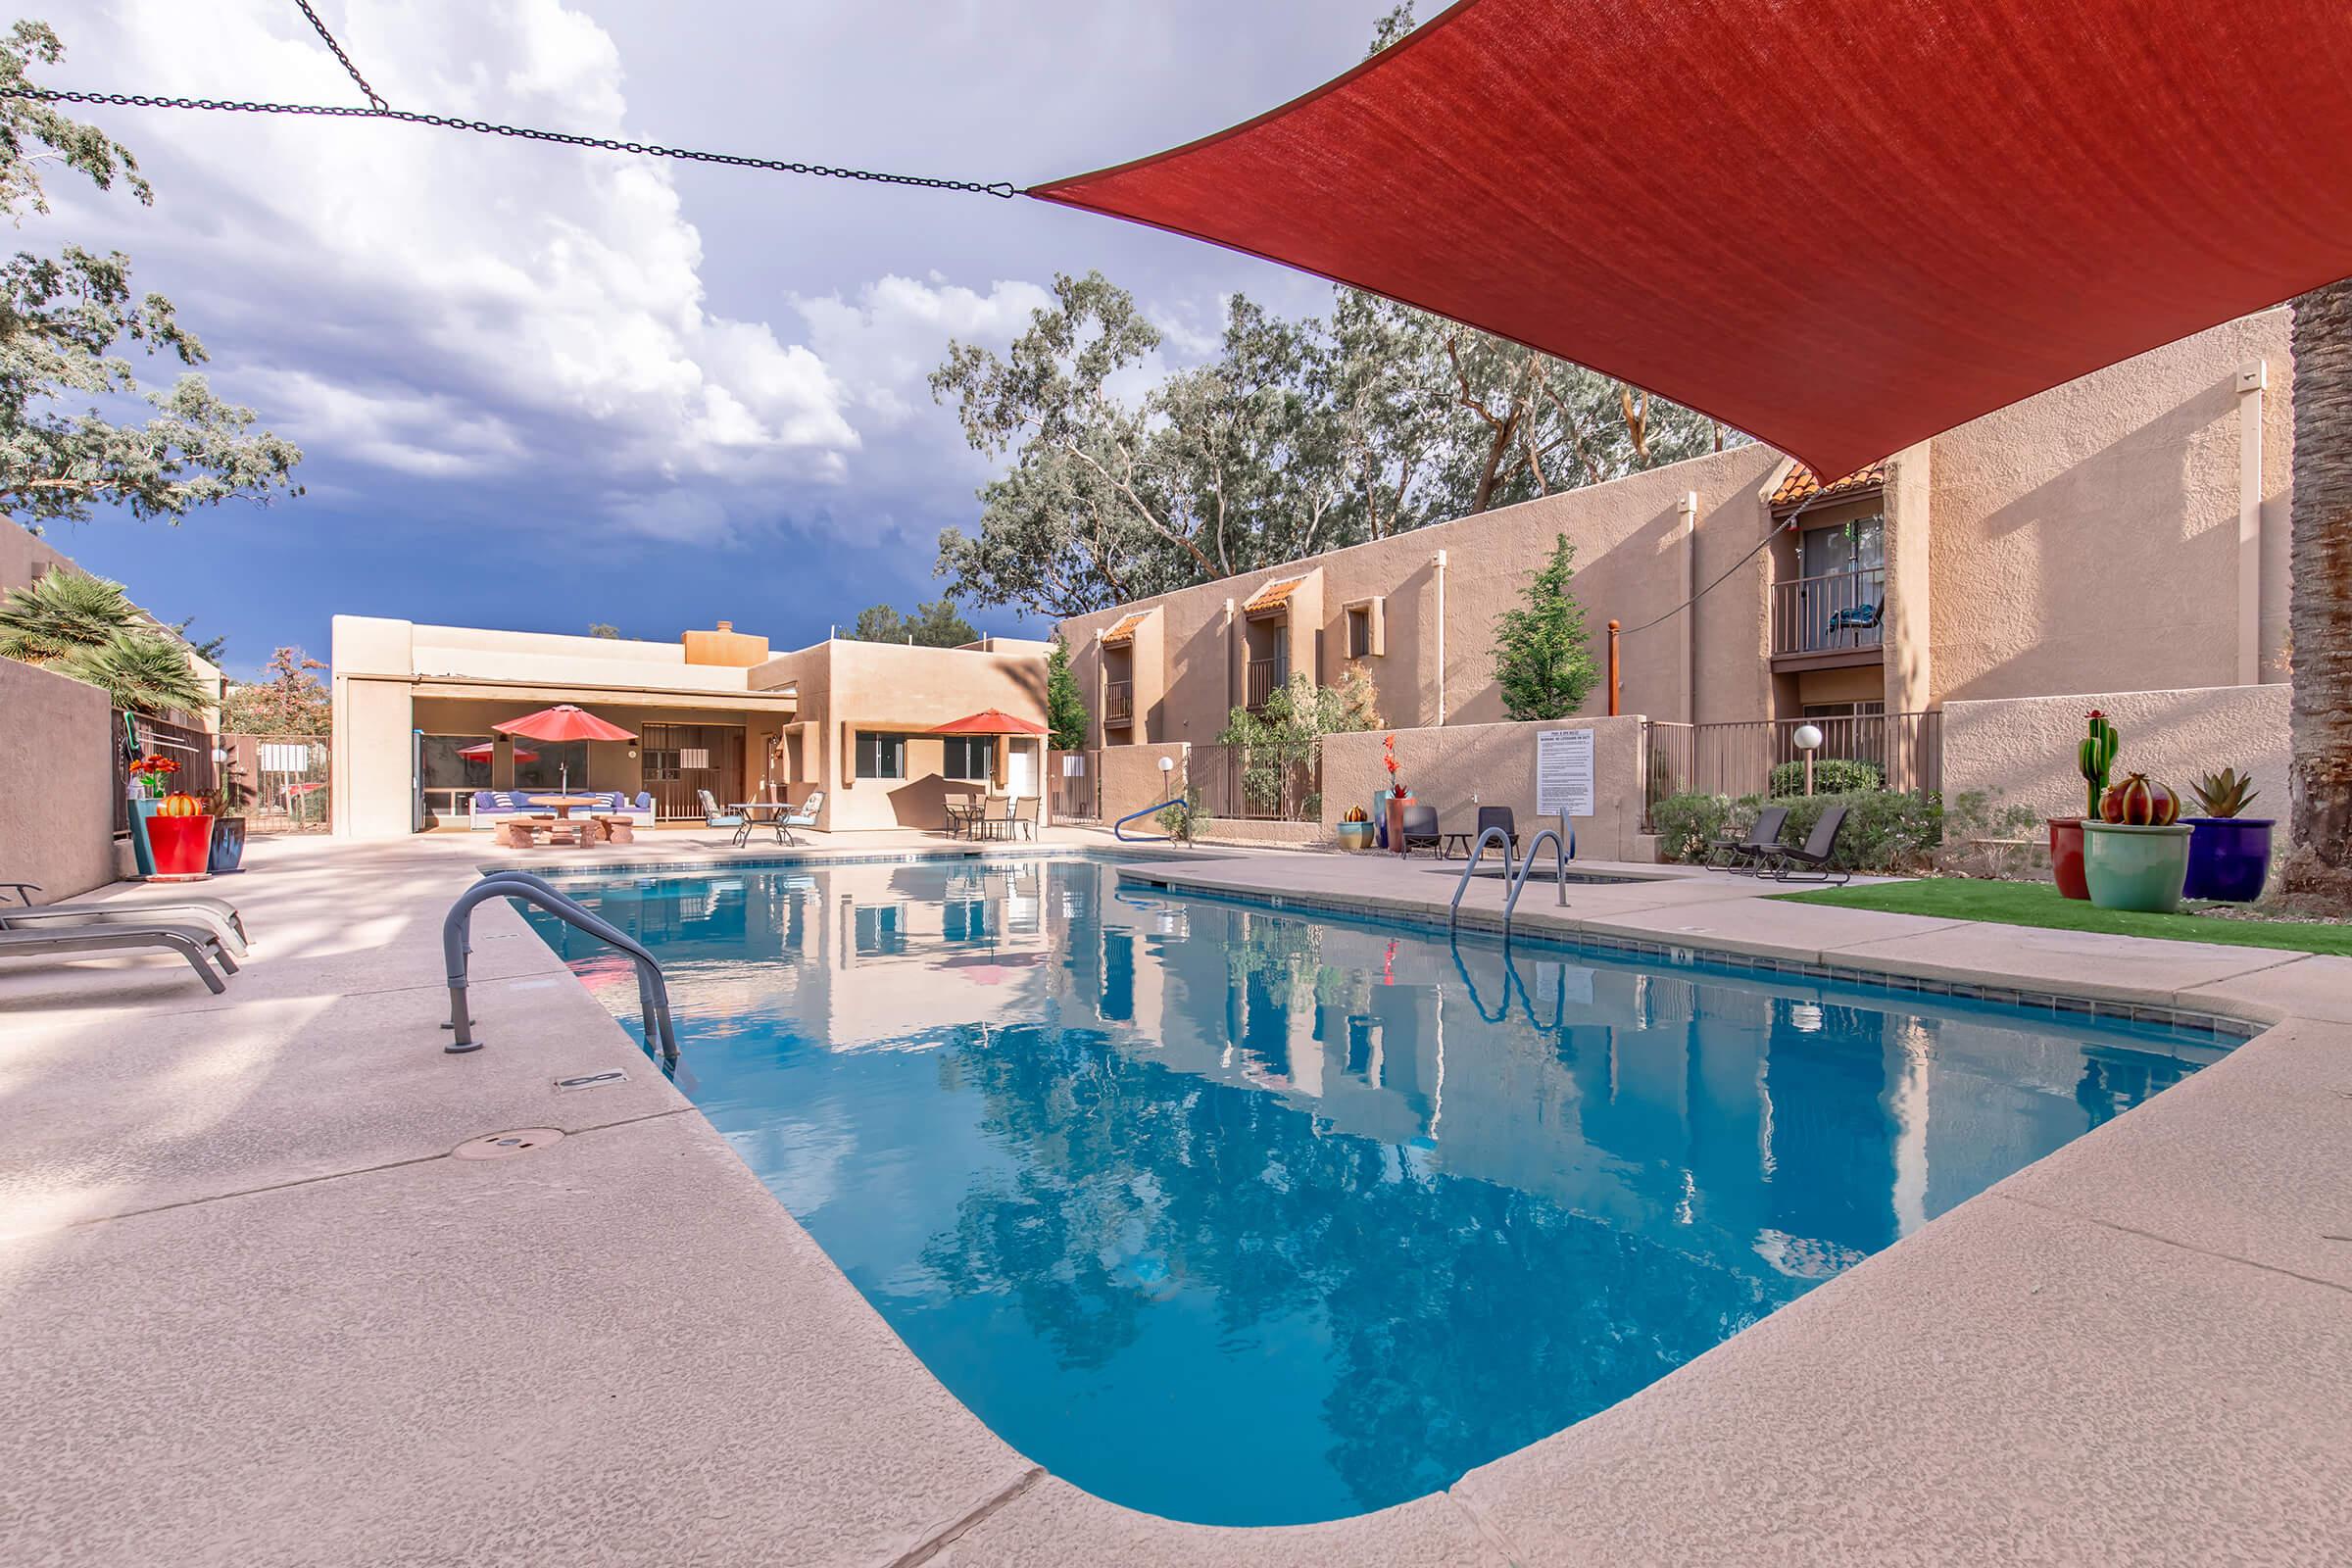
(181, 834)
(1355, 829)
(2229, 855)
(1396, 799)
(2136, 857)
(2094, 756)
(150, 780)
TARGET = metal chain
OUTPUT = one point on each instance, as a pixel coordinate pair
(374, 96)
(1003, 189)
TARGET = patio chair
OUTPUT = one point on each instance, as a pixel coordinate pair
(1740, 853)
(1809, 861)
(801, 815)
(1420, 826)
(1498, 817)
(195, 943)
(218, 912)
(712, 816)
(1026, 812)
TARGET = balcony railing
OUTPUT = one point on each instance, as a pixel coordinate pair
(1266, 677)
(1832, 613)
(1119, 702)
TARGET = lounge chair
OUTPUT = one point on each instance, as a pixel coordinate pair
(195, 943)
(219, 914)
(1420, 826)
(1498, 817)
(712, 816)
(1810, 861)
(1735, 852)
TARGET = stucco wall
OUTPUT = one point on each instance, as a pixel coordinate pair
(2087, 538)
(2025, 748)
(892, 687)
(1132, 779)
(1496, 764)
(56, 782)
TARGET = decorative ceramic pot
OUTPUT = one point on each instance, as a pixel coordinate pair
(143, 812)
(2141, 868)
(228, 843)
(2228, 857)
(2066, 857)
(182, 847)
(1356, 836)
(1395, 805)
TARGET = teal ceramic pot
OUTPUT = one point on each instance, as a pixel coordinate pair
(2141, 869)
(142, 852)
(1356, 836)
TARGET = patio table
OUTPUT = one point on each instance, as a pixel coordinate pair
(763, 814)
(964, 817)
(561, 804)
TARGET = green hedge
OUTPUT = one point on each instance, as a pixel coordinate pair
(1831, 775)
(1885, 830)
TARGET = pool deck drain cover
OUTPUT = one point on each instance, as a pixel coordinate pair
(498, 1146)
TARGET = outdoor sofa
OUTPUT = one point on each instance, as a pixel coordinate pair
(492, 806)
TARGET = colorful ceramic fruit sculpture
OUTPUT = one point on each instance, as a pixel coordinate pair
(2139, 801)
(2096, 756)
(1356, 813)
(179, 805)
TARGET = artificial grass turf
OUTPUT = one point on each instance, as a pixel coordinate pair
(2038, 903)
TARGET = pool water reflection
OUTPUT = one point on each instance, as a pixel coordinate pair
(1246, 1219)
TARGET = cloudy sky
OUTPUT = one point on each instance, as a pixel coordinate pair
(538, 387)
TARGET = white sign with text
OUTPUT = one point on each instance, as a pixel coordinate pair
(1565, 772)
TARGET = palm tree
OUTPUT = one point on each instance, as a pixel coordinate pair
(63, 610)
(2319, 858)
(83, 626)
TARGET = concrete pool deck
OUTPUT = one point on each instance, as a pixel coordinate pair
(256, 1313)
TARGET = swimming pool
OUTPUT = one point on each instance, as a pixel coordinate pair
(1243, 1218)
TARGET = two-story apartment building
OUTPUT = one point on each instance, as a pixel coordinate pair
(2125, 531)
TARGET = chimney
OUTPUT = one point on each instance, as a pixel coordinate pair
(724, 646)
(726, 626)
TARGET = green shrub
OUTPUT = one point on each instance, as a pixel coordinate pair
(1973, 818)
(1687, 823)
(1831, 775)
(1885, 830)
(1184, 821)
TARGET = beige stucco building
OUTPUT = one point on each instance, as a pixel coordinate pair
(713, 712)
(2127, 531)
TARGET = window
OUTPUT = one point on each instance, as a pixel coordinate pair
(881, 755)
(1856, 546)
(1364, 629)
(970, 758)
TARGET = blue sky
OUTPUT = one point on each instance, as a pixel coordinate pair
(538, 388)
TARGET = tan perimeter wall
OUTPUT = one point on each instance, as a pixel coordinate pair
(2024, 748)
(56, 783)
(1497, 762)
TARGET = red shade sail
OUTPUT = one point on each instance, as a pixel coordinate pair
(563, 722)
(1841, 225)
(991, 721)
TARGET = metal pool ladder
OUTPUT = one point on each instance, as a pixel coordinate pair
(1563, 850)
(653, 994)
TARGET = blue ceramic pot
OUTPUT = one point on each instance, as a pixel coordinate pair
(2228, 857)
(228, 843)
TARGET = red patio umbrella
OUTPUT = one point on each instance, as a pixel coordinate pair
(564, 722)
(482, 751)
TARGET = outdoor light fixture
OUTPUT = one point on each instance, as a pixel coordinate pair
(1808, 741)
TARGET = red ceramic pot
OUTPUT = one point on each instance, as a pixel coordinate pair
(183, 845)
(2066, 857)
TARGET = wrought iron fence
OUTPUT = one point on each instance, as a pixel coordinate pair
(137, 735)
(1075, 796)
(1906, 750)
(1232, 784)
(1837, 611)
(280, 781)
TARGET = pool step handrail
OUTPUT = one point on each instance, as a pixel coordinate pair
(1561, 854)
(653, 992)
(1494, 835)
(1117, 829)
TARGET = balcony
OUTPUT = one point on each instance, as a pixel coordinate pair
(1119, 702)
(1266, 677)
(1821, 622)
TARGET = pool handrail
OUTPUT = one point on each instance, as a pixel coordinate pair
(652, 993)
(1561, 854)
(1144, 838)
(1493, 835)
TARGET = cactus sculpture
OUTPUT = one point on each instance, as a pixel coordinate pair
(2096, 756)
(2141, 802)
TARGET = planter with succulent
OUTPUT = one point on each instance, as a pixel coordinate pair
(1394, 800)
(2094, 756)
(2136, 857)
(1355, 829)
(2229, 853)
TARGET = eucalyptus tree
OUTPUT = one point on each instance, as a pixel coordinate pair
(63, 452)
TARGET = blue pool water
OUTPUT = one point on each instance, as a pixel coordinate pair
(1246, 1219)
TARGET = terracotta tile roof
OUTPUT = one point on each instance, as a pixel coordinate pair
(1801, 485)
(1124, 627)
(1272, 595)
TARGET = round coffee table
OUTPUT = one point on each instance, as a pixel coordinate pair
(561, 804)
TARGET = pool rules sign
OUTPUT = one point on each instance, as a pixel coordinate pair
(1565, 772)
